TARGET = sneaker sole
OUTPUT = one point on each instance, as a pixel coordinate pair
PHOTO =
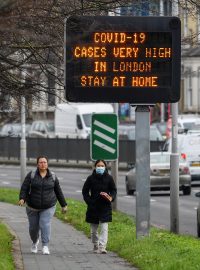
(103, 252)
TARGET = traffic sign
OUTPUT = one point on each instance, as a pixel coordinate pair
(122, 59)
(104, 137)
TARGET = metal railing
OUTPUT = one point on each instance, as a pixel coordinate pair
(66, 149)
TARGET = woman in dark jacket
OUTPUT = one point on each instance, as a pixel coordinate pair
(40, 190)
(98, 192)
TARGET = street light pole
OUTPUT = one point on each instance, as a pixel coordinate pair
(23, 139)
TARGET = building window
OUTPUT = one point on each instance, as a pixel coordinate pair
(167, 5)
(189, 89)
(198, 89)
(198, 26)
(51, 89)
(140, 8)
(5, 102)
(185, 22)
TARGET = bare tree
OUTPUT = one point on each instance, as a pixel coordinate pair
(32, 40)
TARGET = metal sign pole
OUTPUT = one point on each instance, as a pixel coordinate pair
(174, 173)
(142, 141)
(114, 173)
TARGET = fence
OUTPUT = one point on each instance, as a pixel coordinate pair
(66, 149)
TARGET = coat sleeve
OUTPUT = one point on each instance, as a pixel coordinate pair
(112, 188)
(86, 191)
(59, 193)
(25, 188)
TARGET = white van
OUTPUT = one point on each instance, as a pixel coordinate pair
(74, 120)
(189, 148)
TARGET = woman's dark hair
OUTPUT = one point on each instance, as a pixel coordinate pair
(100, 160)
(41, 157)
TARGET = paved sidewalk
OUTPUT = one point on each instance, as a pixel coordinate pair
(70, 249)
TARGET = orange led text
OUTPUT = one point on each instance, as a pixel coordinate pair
(119, 37)
(144, 81)
(93, 81)
(91, 52)
(119, 81)
(125, 52)
(131, 66)
(158, 52)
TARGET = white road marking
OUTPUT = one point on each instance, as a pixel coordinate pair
(79, 191)
(6, 183)
(131, 197)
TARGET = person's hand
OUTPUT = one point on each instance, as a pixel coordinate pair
(106, 196)
(21, 202)
(64, 209)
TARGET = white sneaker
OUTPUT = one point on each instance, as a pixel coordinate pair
(34, 247)
(96, 248)
(45, 250)
(102, 250)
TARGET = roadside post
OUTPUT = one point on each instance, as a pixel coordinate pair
(142, 134)
(23, 141)
(23, 137)
(174, 173)
(122, 59)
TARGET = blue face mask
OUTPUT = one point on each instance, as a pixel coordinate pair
(100, 170)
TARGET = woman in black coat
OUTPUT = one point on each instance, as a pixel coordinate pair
(98, 192)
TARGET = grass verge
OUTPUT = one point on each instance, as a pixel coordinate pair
(161, 250)
(6, 260)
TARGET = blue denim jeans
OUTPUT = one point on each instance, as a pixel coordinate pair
(40, 221)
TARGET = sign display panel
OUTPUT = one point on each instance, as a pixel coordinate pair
(122, 59)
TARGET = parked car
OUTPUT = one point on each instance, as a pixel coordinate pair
(42, 129)
(160, 174)
(13, 130)
(185, 122)
(188, 147)
(198, 214)
(128, 132)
